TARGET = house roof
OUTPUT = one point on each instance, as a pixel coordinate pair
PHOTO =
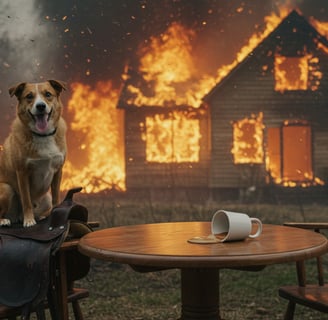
(283, 33)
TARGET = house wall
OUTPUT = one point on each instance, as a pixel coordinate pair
(234, 102)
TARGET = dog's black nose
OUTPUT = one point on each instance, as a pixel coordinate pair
(41, 107)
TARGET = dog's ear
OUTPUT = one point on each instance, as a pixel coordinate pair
(17, 90)
(59, 86)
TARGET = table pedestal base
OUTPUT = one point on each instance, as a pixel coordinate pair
(200, 294)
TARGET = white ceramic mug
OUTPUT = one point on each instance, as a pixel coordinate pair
(232, 226)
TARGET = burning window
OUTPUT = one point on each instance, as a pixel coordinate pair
(273, 153)
(297, 152)
(291, 73)
(248, 140)
(296, 73)
(172, 138)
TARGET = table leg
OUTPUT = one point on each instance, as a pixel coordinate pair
(200, 294)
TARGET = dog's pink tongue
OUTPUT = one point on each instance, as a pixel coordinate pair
(41, 122)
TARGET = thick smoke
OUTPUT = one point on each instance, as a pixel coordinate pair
(24, 54)
(24, 50)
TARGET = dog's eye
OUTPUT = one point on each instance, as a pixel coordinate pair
(29, 96)
(48, 94)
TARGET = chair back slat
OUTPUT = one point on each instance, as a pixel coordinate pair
(301, 274)
(321, 280)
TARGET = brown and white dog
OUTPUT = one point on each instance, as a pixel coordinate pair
(33, 154)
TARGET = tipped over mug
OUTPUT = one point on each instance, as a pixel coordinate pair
(233, 226)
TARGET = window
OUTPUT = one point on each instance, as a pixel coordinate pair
(291, 73)
(248, 140)
(296, 73)
(172, 138)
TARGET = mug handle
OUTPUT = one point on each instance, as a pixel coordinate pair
(259, 229)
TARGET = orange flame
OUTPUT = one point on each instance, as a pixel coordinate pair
(97, 163)
(168, 63)
(297, 73)
(172, 139)
(248, 140)
(321, 26)
(291, 73)
(168, 66)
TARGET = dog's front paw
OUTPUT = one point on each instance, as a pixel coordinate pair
(5, 222)
(29, 222)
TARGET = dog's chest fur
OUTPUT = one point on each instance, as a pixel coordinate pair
(48, 161)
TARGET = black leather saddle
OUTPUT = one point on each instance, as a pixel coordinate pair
(26, 255)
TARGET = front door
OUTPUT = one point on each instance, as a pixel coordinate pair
(289, 153)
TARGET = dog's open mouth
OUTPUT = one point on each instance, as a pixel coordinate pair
(41, 120)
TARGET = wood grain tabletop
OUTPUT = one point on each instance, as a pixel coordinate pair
(166, 245)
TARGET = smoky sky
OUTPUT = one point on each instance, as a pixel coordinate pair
(93, 40)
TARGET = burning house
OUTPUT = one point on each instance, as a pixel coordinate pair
(281, 88)
(261, 124)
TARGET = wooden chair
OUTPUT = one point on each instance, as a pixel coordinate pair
(73, 298)
(68, 266)
(314, 296)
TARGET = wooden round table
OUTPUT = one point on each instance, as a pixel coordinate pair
(150, 247)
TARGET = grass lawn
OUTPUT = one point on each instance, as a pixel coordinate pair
(118, 292)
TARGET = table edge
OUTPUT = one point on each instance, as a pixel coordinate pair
(203, 262)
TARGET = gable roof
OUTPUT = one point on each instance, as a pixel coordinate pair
(294, 26)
